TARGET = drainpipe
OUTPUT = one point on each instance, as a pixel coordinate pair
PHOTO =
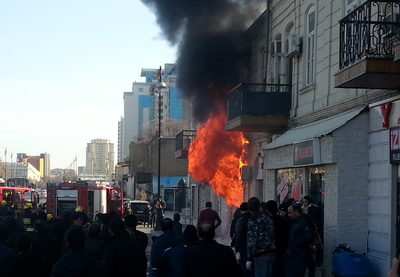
(267, 37)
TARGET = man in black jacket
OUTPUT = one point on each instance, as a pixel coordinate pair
(241, 239)
(282, 229)
(301, 236)
(123, 256)
(161, 243)
(209, 258)
(76, 262)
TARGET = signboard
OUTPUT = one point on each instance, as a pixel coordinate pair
(395, 145)
(307, 152)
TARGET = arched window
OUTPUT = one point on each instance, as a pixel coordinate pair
(310, 46)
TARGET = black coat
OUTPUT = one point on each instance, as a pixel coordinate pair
(77, 264)
(7, 256)
(46, 244)
(31, 264)
(124, 257)
(211, 259)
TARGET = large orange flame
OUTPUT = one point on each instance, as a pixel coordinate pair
(216, 157)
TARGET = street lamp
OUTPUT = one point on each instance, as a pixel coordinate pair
(159, 91)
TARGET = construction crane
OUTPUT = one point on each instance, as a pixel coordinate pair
(71, 172)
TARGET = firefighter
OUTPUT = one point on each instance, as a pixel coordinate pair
(3, 207)
(86, 219)
(28, 217)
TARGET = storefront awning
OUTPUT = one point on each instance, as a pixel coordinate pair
(313, 130)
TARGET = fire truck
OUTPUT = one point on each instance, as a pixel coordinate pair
(93, 197)
(17, 197)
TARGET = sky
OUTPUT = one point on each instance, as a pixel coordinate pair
(64, 65)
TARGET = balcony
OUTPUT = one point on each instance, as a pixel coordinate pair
(258, 107)
(182, 143)
(368, 36)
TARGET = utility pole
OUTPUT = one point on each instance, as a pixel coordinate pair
(5, 167)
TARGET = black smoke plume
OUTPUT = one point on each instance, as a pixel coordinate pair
(212, 50)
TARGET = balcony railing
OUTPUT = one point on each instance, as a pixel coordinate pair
(182, 143)
(259, 100)
(369, 32)
(258, 107)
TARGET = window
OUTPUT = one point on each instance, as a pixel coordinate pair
(261, 64)
(310, 61)
(351, 5)
(279, 62)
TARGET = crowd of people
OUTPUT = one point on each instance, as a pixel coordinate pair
(267, 240)
(35, 244)
(277, 240)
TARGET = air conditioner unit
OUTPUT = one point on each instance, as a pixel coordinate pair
(293, 45)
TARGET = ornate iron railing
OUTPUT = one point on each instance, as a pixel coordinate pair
(259, 100)
(369, 32)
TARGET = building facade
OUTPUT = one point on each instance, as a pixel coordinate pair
(41, 162)
(22, 174)
(141, 106)
(100, 159)
(335, 138)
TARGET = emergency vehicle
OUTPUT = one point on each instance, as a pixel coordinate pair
(17, 197)
(93, 197)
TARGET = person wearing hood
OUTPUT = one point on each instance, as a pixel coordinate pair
(76, 262)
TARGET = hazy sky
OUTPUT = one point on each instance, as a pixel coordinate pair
(64, 65)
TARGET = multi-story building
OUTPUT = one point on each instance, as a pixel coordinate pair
(121, 139)
(322, 118)
(41, 162)
(22, 174)
(100, 158)
(152, 113)
(141, 108)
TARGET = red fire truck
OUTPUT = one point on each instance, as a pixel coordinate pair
(93, 197)
(18, 197)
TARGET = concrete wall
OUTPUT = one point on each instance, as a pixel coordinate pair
(382, 192)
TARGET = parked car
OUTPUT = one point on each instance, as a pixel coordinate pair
(140, 209)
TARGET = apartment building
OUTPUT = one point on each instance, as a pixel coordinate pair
(319, 103)
(100, 159)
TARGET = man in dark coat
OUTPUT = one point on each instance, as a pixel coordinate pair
(7, 254)
(123, 256)
(282, 229)
(94, 245)
(241, 239)
(141, 237)
(161, 243)
(29, 263)
(301, 236)
(209, 258)
(76, 263)
(44, 243)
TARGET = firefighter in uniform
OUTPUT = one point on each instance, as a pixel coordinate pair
(28, 217)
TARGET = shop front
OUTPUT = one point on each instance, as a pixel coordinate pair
(328, 161)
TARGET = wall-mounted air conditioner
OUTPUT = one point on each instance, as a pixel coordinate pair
(293, 45)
